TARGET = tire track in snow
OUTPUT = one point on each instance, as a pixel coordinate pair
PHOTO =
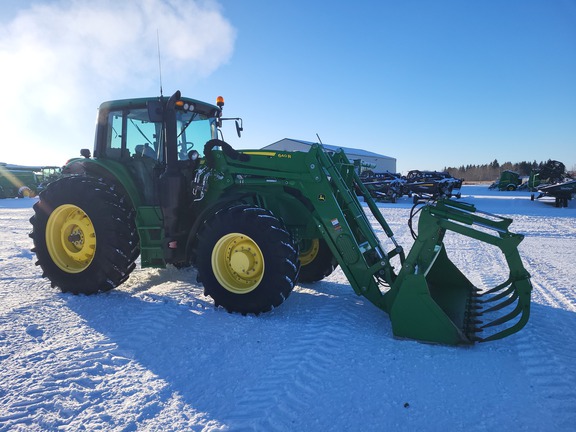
(45, 372)
(557, 286)
(542, 350)
(137, 322)
(62, 373)
(38, 289)
(541, 345)
(545, 340)
(295, 379)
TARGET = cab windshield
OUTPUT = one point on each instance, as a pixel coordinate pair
(130, 133)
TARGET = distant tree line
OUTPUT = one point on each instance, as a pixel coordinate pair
(491, 171)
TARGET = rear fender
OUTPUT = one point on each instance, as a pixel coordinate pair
(110, 170)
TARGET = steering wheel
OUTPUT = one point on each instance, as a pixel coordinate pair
(185, 149)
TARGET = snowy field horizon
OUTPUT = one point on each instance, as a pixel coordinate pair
(154, 353)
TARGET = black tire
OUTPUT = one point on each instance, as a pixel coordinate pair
(246, 259)
(102, 246)
(316, 261)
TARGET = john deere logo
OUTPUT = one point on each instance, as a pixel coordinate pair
(321, 197)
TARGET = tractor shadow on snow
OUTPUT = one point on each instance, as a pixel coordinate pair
(164, 323)
(212, 359)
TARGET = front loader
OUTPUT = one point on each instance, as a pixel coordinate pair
(162, 186)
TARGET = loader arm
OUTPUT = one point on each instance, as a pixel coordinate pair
(428, 298)
(347, 230)
(324, 185)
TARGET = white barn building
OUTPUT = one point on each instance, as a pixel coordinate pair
(378, 162)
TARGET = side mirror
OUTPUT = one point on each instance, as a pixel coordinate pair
(85, 153)
(239, 128)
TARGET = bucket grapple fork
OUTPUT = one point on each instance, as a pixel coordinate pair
(433, 300)
(430, 299)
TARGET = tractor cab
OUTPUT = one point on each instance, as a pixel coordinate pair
(136, 135)
(134, 128)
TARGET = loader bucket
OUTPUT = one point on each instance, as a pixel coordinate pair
(433, 301)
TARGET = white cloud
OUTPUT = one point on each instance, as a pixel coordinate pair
(60, 59)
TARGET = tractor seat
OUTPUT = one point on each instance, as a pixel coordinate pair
(145, 150)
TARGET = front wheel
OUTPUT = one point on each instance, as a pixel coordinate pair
(246, 259)
(84, 235)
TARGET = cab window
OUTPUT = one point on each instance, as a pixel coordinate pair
(131, 133)
(194, 130)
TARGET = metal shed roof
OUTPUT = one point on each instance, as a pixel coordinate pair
(348, 150)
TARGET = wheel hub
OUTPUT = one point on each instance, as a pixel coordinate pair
(76, 238)
(238, 263)
(243, 261)
(70, 238)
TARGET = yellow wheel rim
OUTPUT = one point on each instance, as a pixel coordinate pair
(308, 254)
(25, 192)
(70, 238)
(238, 263)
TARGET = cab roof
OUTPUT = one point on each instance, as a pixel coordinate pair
(199, 106)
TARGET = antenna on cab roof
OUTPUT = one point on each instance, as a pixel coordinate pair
(159, 62)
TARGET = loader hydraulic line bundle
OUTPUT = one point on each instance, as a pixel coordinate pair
(162, 186)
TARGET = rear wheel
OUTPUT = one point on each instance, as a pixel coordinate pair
(246, 259)
(84, 235)
(316, 261)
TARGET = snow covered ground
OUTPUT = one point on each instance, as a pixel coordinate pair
(154, 354)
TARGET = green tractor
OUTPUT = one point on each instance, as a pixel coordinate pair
(508, 181)
(17, 182)
(162, 186)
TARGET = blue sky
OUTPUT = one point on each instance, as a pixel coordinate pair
(431, 83)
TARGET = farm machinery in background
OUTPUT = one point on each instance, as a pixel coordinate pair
(162, 185)
(383, 186)
(552, 181)
(432, 184)
(388, 187)
(508, 181)
(19, 181)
